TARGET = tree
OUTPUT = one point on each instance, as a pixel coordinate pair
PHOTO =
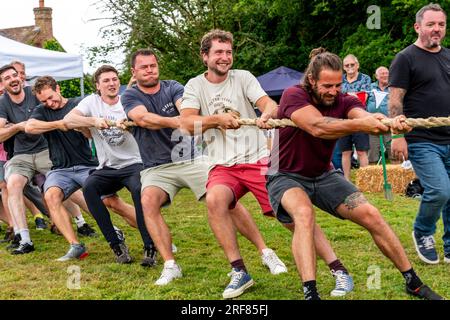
(69, 88)
(268, 33)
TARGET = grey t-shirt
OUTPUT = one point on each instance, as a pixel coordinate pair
(163, 145)
(24, 143)
(115, 148)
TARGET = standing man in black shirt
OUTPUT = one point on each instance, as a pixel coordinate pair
(420, 88)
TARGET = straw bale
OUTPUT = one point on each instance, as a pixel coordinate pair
(370, 178)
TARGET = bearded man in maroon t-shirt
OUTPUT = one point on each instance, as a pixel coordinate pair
(301, 174)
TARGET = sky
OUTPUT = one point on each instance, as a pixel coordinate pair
(72, 23)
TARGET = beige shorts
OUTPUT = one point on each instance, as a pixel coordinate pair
(28, 165)
(172, 177)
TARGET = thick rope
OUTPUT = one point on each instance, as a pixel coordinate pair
(431, 122)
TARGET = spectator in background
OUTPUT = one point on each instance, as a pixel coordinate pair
(378, 102)
(356, 84)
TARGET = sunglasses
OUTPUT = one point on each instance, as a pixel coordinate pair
(349, 65)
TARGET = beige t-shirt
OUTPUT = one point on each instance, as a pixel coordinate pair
(239, 91)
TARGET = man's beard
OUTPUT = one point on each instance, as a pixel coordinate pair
(149, 84)
(10, 90)
(431, 44)
(217, 71)
(319, 98)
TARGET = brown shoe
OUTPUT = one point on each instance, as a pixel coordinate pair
(54, 230)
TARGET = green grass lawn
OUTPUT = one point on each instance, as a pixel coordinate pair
(39, 276)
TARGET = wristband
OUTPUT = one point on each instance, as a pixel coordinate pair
(396, 136)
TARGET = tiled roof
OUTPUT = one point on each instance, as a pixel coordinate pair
(25, 35)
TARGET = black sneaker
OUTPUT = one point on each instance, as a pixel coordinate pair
(9, 235)
(24, 248)
(121, 252)
(424, 292)
(120, 234)
(40, 224)
(14, 243)
(86, 231)
(149, 259)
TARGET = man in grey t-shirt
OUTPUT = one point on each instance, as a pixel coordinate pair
(30, 151)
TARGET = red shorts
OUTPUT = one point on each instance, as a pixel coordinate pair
(242, 178)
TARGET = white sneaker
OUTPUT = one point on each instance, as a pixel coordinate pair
(344, 283)
(174, 248)
(270, 259)
(170, 272)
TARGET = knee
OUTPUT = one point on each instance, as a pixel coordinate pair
(110, 203)
(303, 217)
(216, 201)
(53, 197)
(438, 195)
(15, 185)
(373, 219)
(151, 203)
(90, 188)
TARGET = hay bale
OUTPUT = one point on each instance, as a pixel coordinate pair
(370, 178)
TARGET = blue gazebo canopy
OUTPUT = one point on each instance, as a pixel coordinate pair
(274, 82)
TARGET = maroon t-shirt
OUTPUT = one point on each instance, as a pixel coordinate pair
(295, 150)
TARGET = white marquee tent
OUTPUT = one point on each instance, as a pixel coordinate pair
(42, 62)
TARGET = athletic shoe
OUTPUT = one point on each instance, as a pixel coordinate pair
(425, 247)
(40, 224)
(270, 259)
(344, 283)
(170, 272)
(122, 254)
(120, 234)
(174, 248)
(240, 281)
(86, 231)
(76, 251)
(14, 243)
(24, 248)
(447, 257)
(54, 229)
(310, 295)
(9, 235)
(149, 259)
(424, 292)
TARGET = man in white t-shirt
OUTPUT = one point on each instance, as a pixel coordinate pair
(119, 160)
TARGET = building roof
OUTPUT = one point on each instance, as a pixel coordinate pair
(25, 35)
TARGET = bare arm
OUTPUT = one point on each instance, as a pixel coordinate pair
(311, 120)
(269, 109)
(152, 121)
(7, 131)
(35, 126)
(76, 120)
(395, 104)
(267, 106)
(191, 120)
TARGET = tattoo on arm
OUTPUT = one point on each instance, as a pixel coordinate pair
(354, 200)
(330, 119)
(396, 101)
